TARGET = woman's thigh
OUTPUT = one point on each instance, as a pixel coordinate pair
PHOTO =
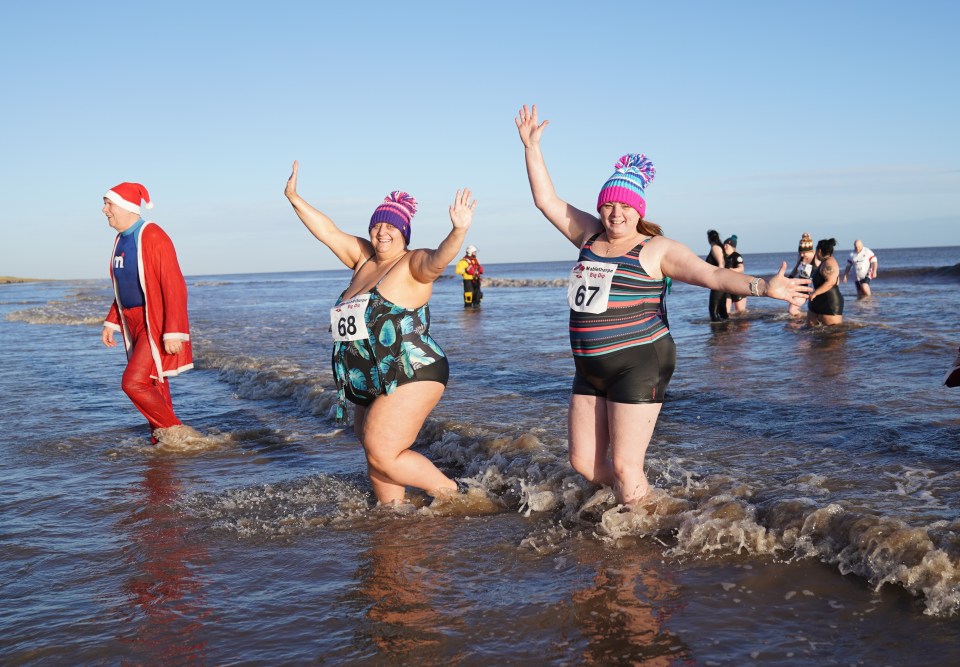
(587, 426)
(391, 423)
(631, 427)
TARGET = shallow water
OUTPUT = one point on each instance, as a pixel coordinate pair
(805, 511)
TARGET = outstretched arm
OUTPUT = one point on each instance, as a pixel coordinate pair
(349, 249)
(678, 262)
(427, 265)
(573, 223)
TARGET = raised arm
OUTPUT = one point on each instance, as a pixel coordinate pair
(573, 223)
(349, 249)
(427, 265)
(678, 262)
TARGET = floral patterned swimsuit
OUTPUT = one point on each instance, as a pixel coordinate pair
(398, 350)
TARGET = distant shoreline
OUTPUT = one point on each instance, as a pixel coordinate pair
(9, 280)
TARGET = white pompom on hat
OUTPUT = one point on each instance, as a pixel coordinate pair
(128, 197)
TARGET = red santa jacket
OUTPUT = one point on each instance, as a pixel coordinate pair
(165, 301)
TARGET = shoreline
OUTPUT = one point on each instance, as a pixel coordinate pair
(11, 280)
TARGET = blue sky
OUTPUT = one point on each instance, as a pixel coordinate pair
(763, 119)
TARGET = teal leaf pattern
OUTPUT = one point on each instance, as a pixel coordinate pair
(388, 334)
(401, 344)
(358, 380)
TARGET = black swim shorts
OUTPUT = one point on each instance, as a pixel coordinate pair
(635, 375)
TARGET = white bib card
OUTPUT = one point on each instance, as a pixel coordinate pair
(588, 289)
(347, 320)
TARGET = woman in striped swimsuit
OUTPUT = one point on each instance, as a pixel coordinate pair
(623, 352)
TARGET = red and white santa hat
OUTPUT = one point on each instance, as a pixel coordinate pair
(128, 196)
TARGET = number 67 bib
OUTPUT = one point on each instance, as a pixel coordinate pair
(588, 289)
(347, 320)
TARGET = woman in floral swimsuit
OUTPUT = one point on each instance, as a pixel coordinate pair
(384, 360)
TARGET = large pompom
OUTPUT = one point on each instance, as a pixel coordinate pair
(637, 163)
(404, 200)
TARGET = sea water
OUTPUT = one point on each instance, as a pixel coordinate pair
(805, 510)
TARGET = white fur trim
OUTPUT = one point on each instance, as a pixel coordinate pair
(122, 203)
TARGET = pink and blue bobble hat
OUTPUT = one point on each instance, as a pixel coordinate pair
(626, 185)
(397, 209)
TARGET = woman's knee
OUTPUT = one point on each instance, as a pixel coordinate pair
(381, 461)
(627, 463)
(593, 468)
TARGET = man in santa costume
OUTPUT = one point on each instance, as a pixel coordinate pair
(149, 308)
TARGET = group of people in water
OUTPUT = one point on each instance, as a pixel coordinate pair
(385, 360)
(816, 264)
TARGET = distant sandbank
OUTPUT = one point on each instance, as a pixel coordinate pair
(6, 280)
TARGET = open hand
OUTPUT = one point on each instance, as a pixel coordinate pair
(527, 125)
(291, 190)
(461, 211)
(792, 290)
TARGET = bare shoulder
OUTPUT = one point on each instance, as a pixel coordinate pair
(666, 248)
(656, 251)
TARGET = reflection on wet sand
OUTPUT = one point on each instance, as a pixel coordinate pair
(398, 577)
(164, 624)
(624, 613)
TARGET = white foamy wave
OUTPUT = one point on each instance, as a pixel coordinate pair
(261, 379)
(713, 516)
(69, 314)
(515, 282)
(85, 307)
(884, 550)
(524, 282)
(283, 508)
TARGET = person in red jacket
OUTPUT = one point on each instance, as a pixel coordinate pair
(149, 308)
(470, 269)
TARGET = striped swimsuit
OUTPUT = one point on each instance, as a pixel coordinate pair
(624, 354)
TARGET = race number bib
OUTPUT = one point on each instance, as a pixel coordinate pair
(588, 289)
(347, 320)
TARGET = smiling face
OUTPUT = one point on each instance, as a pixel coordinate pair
(619, 220)
(386, 239)
(118, 218)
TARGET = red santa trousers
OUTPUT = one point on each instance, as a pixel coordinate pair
(151, 397)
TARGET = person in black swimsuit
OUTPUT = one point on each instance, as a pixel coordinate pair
(736, 303)
(384, 360)
(826, 301)
(716, 257)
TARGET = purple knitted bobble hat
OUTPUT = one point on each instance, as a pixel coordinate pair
(626, 185)
(397, 209)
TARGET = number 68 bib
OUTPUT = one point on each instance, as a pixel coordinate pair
(588, 289)
(347, 320)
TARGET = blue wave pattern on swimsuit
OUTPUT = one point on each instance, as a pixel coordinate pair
(636, 313)
(398, 344)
